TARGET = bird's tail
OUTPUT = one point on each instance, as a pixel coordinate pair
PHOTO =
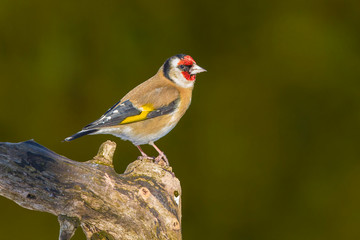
(80, 134)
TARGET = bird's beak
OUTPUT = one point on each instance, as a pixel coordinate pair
(195, 69)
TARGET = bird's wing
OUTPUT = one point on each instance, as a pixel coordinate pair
(137, 109)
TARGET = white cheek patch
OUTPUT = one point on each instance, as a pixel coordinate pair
(183, 82)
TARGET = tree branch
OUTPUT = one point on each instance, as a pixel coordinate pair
(142, 203)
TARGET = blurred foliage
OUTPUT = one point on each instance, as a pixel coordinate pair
(269, 148)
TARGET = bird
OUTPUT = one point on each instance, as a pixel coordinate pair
(152, 109)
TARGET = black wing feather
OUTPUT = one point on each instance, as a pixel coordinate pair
(115, 115)
(164, 110)
(80, 134)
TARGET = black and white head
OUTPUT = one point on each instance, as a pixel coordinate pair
(182, 70)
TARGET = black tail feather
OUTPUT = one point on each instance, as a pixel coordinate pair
(80, 134)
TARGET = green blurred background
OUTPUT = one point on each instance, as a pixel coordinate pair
(269, 148)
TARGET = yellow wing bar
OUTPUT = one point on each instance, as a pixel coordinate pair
(145, 109)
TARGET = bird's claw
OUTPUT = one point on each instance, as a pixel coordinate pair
(162, 157)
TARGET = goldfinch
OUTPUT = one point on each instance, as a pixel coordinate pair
(152, 109)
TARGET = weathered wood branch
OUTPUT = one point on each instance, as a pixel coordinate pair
(142, 203)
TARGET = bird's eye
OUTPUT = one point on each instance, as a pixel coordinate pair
(184, 68)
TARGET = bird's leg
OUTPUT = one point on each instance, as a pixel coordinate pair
(161, 154)
(143, 154)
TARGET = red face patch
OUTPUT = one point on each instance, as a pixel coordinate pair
(188, 76)
(187, 60)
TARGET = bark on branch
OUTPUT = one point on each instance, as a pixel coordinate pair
(142, 203)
